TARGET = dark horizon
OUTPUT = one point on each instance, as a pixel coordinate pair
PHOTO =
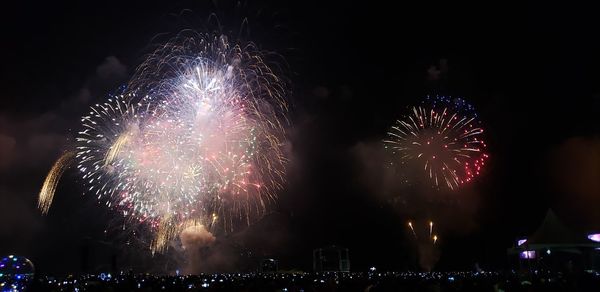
(531, 72)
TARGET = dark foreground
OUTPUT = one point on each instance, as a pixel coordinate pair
(373, 281)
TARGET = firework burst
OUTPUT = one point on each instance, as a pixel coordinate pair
(197, 135)
(443, 138)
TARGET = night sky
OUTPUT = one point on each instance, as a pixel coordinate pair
(532, 72)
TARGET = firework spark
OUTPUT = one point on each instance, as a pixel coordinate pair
(443, 139)
(49, 187)
(165, 231)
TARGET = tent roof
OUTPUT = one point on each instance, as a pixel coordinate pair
(554, 231)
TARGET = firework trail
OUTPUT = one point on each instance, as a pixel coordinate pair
(430, 228)
(197, 135)
(49, 187)
(432, 237)
(443, 138)
(428, 252)
(115, 149)
(412, 229)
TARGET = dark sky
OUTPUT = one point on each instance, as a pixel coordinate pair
(532, 71)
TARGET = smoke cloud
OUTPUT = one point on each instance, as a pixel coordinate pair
(428, 254)
(195, 240)
(412, 196)
(574, 169)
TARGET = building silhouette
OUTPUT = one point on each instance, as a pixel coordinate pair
(268, 266)
(331, 259)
